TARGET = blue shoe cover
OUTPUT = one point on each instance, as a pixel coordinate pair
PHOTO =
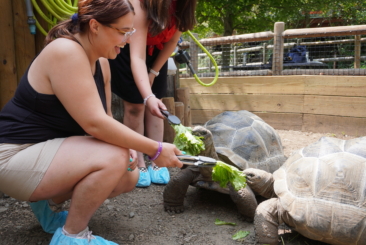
(159, 175)
(48, 219)
(144, 179)
(60, 239)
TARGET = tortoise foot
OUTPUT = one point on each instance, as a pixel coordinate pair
(173, 209)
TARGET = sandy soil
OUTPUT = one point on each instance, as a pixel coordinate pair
(139, 217)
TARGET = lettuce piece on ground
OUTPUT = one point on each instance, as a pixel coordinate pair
(225, 173)
(240, 235)
(184, 140)
(220, 222)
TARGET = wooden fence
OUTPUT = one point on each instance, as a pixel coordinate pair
(327, 104)
(279, 36)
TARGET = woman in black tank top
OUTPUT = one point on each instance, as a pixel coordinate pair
(58, 132)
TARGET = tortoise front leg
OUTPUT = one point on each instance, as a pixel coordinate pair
(245, 201)
(176, 190)
(266, 222)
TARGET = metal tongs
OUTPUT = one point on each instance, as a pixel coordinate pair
(172, 119)
(199, 161)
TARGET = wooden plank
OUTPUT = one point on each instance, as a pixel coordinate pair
(325, 31)
(183, 95)
(335, 105)
(329, 72)
(248, 85)
(233, 102)
(335, 85)
(334, 124)
(24, 40)
(8, 76)
(284, 121)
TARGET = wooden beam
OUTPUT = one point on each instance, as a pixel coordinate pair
(334, 85)
(24, 40)
(8, 70)
(233, 102)
(325, 31)
(335, 105)
(247, 85)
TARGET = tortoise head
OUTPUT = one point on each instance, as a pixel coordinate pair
(260, 181)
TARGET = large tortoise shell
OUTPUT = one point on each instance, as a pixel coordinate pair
(323, 189)
(244, 140)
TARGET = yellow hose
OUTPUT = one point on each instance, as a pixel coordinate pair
(211, 58)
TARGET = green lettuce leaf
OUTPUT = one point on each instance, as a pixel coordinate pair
(184, 140)
(240, 235)
(225, 173)
(219, 222)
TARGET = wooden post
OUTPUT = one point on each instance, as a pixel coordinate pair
(277, 57)
(24, 41)
(168, 130)
(179, 111)
(193, 50)
(357, 63)
(8, 76)
(183, 96)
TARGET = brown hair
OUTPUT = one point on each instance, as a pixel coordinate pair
(159, 15)
(104, 11)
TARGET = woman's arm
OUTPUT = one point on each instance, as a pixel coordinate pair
(138, 60)
(107, 84)
(166, 52)
(71, 78)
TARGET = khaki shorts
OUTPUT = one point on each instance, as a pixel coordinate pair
(22, 166)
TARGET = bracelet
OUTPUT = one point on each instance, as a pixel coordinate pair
(151, 95)
(157, 153)
(156, 73)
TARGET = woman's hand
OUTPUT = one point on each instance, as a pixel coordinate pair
(168, 156)
(154, 105)
(133, 163)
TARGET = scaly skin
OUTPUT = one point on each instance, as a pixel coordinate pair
(245, 202)
(266, 222)
(260, 181)
(176, 190)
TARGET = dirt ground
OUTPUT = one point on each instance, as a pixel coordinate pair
(139, 218)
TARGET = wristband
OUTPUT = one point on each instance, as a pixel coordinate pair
(156, 73)
(151, 95)
(157, 153)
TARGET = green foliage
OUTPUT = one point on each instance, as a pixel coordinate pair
(226, 17)
(220, 222)
(185, 141)
(240, 235)
(225, 173)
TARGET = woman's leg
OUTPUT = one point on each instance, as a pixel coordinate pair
(133, 117)
(89, 169)
(154, 128)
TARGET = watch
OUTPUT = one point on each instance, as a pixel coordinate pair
(156, 73)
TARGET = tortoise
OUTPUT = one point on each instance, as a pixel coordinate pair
(250, 143)
(320, 192)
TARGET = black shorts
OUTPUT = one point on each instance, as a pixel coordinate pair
(123, 83)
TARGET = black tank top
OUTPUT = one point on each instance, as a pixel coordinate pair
(31, 117)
